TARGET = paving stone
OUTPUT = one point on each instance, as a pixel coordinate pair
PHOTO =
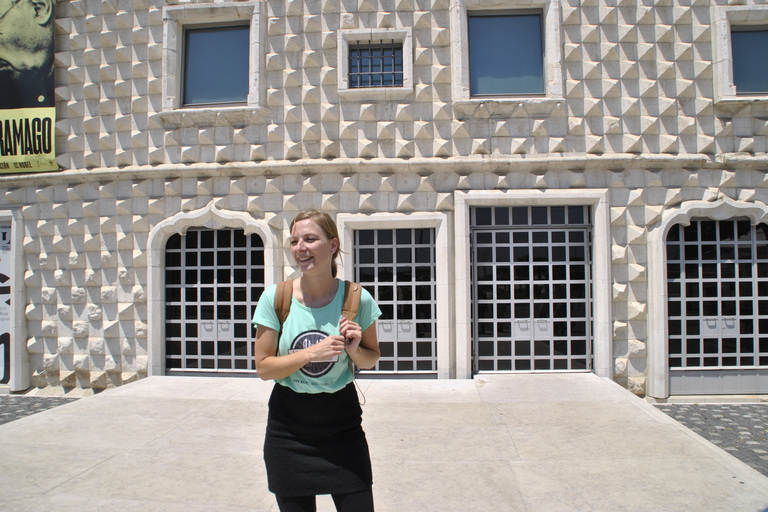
(15, 407)
(739, 429)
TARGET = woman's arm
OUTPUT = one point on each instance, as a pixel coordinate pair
(270, 366)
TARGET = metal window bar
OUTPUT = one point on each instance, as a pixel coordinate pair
(531, 293)
(397, 266)
(717, 288)
(213, 281)
(373, 64)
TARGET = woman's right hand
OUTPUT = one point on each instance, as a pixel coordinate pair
(330, 347)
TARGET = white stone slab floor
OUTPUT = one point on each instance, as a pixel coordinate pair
(567, 442)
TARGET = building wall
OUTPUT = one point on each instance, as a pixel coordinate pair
(634, 120)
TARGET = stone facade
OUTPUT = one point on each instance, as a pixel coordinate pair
(635, 123)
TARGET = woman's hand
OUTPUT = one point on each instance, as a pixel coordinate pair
(269, 366)
(330, 347)
(362, 347)
(352, 334)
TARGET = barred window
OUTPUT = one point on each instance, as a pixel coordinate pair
(376, 64)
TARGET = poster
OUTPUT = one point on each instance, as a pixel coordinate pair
(5, 303)
(27, 102)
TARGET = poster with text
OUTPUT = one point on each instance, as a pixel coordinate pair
(27, 102)
(5, 303)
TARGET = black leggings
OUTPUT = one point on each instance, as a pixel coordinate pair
(355, 502)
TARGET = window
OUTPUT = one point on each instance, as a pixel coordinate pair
(213, 280)
(505, 54)
(398, 267)
(749, 46)
(213, 55)
(740, 44)
(216, 65)
(514, 56)
(376, 64)
(404, 261)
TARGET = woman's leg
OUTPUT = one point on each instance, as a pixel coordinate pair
(297, 503)
(355, 502)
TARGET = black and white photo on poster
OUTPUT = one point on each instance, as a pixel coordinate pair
(27, 102)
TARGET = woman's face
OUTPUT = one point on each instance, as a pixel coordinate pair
(311, 248)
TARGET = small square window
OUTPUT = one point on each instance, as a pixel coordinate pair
(505, 54)
(376, 64)
(216, 65)
(749, 45)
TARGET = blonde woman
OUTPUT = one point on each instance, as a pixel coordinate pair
(315, 443)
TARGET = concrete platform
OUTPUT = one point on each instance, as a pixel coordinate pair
(571, 442)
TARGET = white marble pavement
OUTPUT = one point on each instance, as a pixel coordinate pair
(568, 442)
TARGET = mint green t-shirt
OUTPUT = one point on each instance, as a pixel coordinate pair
(305, 327)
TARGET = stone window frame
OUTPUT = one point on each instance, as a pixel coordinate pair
(598, 200)
(657, 381)
(346, 38)
(177, 17)
(723, 18)
(209, 217)
(554, 91)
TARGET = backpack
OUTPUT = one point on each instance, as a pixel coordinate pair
(284, 295)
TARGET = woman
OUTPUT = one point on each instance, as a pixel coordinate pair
(315, 443)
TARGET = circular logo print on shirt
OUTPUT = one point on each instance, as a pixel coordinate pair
(308, 339)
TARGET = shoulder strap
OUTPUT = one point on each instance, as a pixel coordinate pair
(283, 297)
(352, 292)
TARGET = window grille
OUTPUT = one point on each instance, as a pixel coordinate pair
(532, 280)
(213, 280)
(376, 64)
(717, 286)
(397, 266)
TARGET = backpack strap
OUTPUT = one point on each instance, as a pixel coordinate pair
(352, 292)
(283, 297)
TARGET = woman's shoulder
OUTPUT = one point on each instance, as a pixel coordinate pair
(269, 294)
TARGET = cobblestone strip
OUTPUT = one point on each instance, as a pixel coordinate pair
(15, 407)
(739, 429)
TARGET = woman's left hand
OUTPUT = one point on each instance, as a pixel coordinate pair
(352, 332)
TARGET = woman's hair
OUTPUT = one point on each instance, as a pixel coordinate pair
(328, 226)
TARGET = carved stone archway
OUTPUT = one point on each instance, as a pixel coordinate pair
(209, 217)
(658, 351)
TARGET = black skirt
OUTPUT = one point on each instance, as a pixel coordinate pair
(315, 443)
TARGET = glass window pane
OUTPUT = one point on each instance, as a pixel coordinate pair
(216, 65)
(505, 55)
(749, 50)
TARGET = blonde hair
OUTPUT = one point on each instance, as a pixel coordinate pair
(328, 226)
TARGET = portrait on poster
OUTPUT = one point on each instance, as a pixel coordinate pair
(27, 102)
